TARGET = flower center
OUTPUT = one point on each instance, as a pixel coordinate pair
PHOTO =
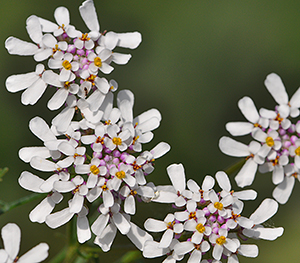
(269, 141)
(67, 65)
(192, 215)
(120, 174)
(98, 62)
(100, 140)
(104, 187)
(200, 228)
(117, 141)
(297, 151)
(85, 37)
(94, 169)
(221, 240)
(170, 225)
(218, 205)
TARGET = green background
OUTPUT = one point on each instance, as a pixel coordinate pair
(196, 60)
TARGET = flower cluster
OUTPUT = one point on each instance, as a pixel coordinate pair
(93, 149)
(208, 224)
(76, 61)
(276, 144)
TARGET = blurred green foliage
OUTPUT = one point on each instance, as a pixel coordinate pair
(197, 59)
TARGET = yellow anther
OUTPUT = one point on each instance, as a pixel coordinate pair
(221, 240)
(120, 174)
(67, 84)
(94, 169)
(135, 139)
(297, 151)
(107, 122)
(218, 205)
(67, 65)
(133, 192)
(200, 228)
(117, 141)
(100, 140)
(257, 125)
(192, 215)
(170, 225)
(269, 141)
(97, 62)
(104, 187)
(85, 37)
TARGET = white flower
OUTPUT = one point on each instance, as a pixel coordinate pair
(169, 224)
(249, 110)
(32, 82)
(231, 147)
(220, 241)
(286, 107)
(11, 235)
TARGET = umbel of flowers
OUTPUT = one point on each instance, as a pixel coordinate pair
(208, 224)
(93, 149)
(93, 157)
(276, 143)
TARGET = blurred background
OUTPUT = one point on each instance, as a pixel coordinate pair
(196, 60)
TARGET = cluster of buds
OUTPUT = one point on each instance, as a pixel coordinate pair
(276, 144)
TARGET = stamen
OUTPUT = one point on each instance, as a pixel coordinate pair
(200, 228)
(97, 62)
(221, 240)
(117, 141)
(67, 65)
(269, 141)
(297, 151)
(94, 169)
(120, 174)
(218, 205)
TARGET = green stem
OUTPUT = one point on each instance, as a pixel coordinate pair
(235, 167)
(3, 172)
(5, 206)
(59, 257)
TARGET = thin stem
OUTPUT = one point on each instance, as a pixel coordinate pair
(3, 171)
(235, 167)
(5, 206)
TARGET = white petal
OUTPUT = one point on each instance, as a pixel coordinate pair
(88, 13)
(59, 218)
(266, 210)
(248, 109)
(36, 254)
(106, 238)
(83, 229)
(121, 223)
(129, 40)
(223, 181)
(275, 86)
(239, 128)
(138, 236)
(233, 148)
(177, 176)
(246, 175)
(11, 236)
(19, 82)
(16, 46)
(283, 191)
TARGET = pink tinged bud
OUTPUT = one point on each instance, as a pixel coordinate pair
(116, 153)
(107, 158)
(215, 230)
(282, 132)
(287, 144)
(71, 49)
(102, 163)
(80, 52)
(212, 218)
(224, 226)
(285, 151)
(116, 160)
(221, 219)
(123, 157)
(88, 52)
(294, 139)
(206, 211)
(292, 128)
